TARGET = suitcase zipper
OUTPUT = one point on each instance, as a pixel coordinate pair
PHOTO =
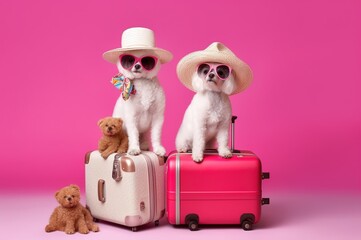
(152, 187)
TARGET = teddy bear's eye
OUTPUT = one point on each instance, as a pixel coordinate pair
(106, 125)
(72, 196)
(64, 196)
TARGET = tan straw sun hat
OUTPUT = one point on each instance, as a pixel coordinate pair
(138, 38)
(216, 53)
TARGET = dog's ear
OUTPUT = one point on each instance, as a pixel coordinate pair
(197, 83)
(229, 85)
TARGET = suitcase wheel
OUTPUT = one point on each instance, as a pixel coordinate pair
(134, 229)
(192, 221)
(247, 225)
(247, 221)
(193, 225)
(156, 223)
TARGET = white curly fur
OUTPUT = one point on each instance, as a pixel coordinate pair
(142, 113)
(207, 118)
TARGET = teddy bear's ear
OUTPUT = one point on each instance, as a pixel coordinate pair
(56, 195)
(100, 122)
(75, 186)
(120, 121)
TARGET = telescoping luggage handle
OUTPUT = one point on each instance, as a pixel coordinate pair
(233, 120)
(233, 132)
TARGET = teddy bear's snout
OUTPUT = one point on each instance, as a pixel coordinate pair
(110, 129)
(70, 199)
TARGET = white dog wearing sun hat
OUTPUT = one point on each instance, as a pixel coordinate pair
(214, 74)
(142, 101)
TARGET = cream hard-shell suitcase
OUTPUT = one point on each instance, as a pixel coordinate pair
(125, 189)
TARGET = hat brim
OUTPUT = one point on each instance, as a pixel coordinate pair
(113, 55)
(187, 66)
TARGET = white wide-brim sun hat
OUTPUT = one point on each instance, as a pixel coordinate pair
(215, 53)
(138, 38)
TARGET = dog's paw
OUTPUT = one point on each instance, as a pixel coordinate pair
(225, 153)
(134, 151)
(197, 157)
(160, 151)
(182, 149)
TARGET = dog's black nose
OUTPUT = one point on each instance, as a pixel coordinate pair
(137, 66)
(211, 75)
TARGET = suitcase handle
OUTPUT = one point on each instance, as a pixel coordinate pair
(232, 132)
(101, 187)
(233, 120)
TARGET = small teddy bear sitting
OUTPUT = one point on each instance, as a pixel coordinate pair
(70, 216)
(114, 138)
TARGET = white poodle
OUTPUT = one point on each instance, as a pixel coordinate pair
(208, 117)
(143, 112)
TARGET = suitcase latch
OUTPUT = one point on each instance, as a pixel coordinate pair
(265, 175)
(142, 206)
(265, 201)
(116, 173)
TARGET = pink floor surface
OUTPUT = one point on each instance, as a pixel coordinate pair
(289, 216)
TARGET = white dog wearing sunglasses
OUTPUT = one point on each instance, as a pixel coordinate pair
(214, 74)
(143, 112)
(207, 118)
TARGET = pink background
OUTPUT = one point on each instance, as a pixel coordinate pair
(301, 115)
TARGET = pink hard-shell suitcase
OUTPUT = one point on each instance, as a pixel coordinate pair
(216, 191)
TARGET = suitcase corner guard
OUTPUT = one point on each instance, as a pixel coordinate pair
(87, 157)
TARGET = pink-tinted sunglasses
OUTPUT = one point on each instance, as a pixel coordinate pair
(128, 61)
(223, 71)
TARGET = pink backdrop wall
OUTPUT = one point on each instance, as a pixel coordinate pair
(301, 115)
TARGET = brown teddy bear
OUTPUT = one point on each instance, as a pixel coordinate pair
(114, 138)
(70, 216)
